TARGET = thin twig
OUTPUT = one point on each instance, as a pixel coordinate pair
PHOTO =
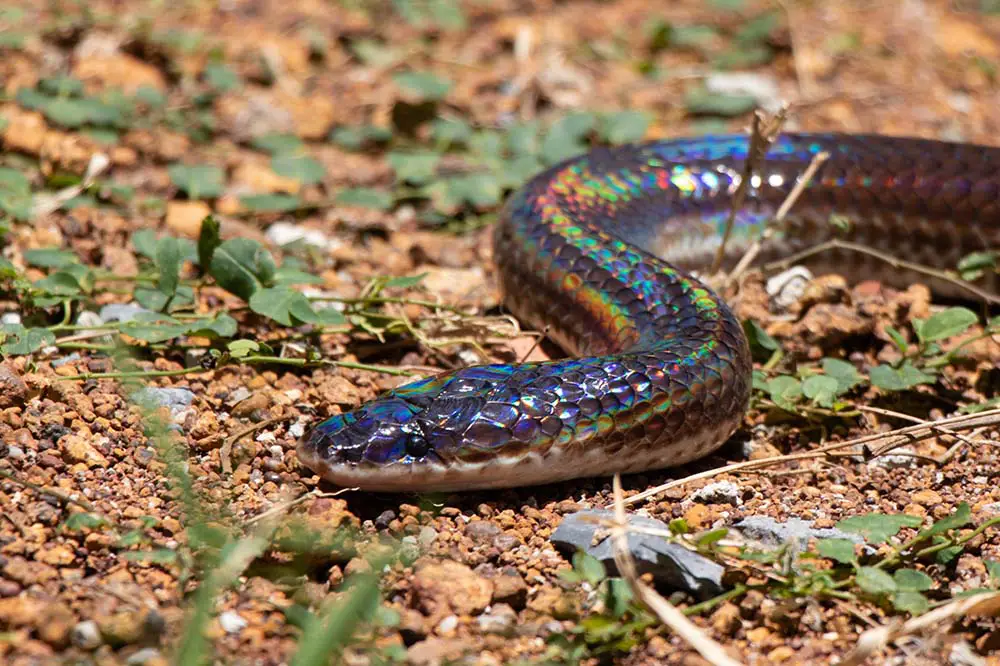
(713, 652)
(878, 638)
(913, 419)
(838, 244)
(888, 440)
(283, 507)
(57, 494)
(226, 451)
(786, 205)
(761, 136)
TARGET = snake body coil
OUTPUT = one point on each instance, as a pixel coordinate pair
(596, 250)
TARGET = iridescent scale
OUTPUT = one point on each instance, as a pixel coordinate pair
(597, 251)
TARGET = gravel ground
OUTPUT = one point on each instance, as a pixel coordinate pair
(95, 536)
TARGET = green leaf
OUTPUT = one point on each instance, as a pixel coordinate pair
(289, 276)
(972, 266)
(375, 53)
(144, 242)
(712, 536)
(897, 339)
(758, 29)
(694, 36)
(208, 241)
(960, 518)
(198, 181)
(288, 307)
(67, 112)
(945, 324)
(701, 101)
(21, 341)
(270, 203)
(946, 555)
(156, 300)
(302, 168)
(168, 262)
(875, 581)
(785, 391)
(243, 348)
(61, 283)
(820, 389)
(910, 602)
(84, 521)
(423, 86)
(993, 567)
(659, 33)
(845, 374)
(365, 197)
(566, 137)
(242, 266)
(278, 144)
(589, 567)
(447, 132)
(356, 138)
(876, 528)
(839, 550)
(50, 257)
(912, 580)
(414, 167)
(15, 194)
(626, 126)
(154, 327)
(902, 378)
(221, 77)
(221, 326)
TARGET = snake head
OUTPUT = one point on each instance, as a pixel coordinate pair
(429, 433)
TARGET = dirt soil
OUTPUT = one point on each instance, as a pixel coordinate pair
(69, 594)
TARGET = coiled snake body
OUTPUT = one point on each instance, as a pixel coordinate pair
(598, 251)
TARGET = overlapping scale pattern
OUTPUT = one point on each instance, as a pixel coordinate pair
(662, 369)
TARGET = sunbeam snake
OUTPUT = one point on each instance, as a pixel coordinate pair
(598, 251)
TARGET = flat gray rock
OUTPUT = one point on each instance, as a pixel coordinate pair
(669, 563)
(174, 399)
(794, 531)
(121, 312)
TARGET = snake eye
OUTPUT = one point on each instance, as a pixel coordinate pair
(417, 446)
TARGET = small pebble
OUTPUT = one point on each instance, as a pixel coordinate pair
(384, 518)
(447, 625)
(15, 452)
(231, 622)
(10, 318)
(143, 656)
(426, 536)
(59, 362)
(723, 492)
(86, 635)
(500, 620)
(88, 318)
(121, 312)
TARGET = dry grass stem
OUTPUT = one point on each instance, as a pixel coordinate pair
(713, 652)
(887, 441)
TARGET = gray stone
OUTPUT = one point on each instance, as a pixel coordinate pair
(232, 622)
(65, 359)
(175, 399)
(794, 532)
(723, 492)
(669, 563)
(121, 312)
(86, 635)
(762, 87)
(143, 656)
